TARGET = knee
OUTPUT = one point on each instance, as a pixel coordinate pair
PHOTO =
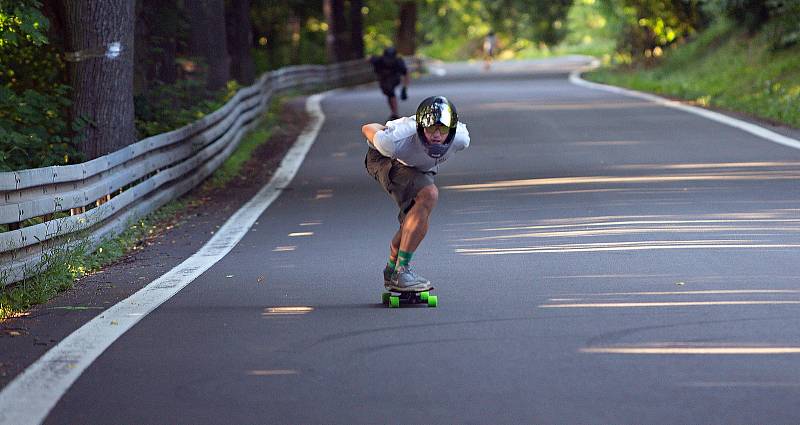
(428, 196)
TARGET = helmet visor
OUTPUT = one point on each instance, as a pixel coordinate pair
(438, 114)
(441, 128)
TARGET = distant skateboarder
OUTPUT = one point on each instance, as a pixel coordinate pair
(404, 156)
(489, 50)
(390, 68)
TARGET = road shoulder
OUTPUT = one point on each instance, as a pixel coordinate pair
(24, 339)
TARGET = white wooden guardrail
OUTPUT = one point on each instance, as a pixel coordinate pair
(105, 194)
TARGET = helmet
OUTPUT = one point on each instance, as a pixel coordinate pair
(390, 52)
(436, 110)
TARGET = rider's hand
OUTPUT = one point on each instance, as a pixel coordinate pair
(404, 93)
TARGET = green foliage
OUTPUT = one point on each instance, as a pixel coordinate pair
(166, 107)
(21, 21)
(455, 30)
(379, 25)
(784, 27)
(35, 130)
(724, 68)
(751, 14)
(646, 27)
(288, 32)
(589, 32)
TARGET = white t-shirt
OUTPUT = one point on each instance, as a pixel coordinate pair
(400, 141)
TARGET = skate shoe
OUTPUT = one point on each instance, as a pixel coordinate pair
(405, 279)
(388, 275)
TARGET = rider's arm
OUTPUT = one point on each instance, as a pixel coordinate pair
(461, 140)
(374, 132)
(369, 131)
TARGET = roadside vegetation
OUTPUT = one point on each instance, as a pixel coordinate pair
(62, 266)
(723, 68)
(739, 56)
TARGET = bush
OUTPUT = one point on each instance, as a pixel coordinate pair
(34, 131)
(167, 107)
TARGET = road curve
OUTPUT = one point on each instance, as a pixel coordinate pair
(598, 259)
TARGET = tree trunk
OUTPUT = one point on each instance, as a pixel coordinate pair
(240, 41)
(164, 39)
(336, 38)
(208, 40)
(156, 43)
(100, 50)
(356, 30)
(407, 31)
(142, 71)
(295, 29)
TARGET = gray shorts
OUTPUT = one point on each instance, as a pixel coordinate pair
(400, 181)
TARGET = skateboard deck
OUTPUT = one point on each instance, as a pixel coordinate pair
(393, 298)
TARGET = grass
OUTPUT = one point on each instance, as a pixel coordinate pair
(722, 68)
(61, 266)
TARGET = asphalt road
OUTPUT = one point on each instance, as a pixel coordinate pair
(598, 259)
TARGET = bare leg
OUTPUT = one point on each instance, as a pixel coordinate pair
(394, 248)
(415, 225)
(393, 105)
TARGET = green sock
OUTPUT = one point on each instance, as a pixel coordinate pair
(403, 258)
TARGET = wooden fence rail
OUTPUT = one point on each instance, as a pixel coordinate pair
(90, 202)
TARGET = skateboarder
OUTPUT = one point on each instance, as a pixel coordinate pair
(390, 68)
(489, 47)
(404, 156)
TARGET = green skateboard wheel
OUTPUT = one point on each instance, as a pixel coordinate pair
(386, 296)
(394, 302)
(424, 295)
(433, 301)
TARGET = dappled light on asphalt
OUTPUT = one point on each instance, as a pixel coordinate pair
(272, 372)
(324, 194)
(624, 246)
(775, 228)
(663, 178)
(754, 230)
(706, 292)
(556, 106)
(287, 311)
(771, 165)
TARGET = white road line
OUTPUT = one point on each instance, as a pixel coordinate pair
(29, 398)
(753, 129)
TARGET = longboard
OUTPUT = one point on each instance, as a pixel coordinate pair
(394, 298)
